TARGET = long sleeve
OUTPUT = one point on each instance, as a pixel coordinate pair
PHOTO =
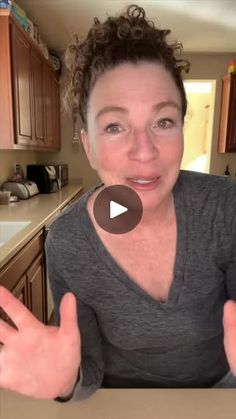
(230, 215)
(231, 271)
(92, 366)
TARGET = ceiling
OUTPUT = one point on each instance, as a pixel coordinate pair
(200, 25)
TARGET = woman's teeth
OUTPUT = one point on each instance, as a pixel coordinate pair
(143, 181)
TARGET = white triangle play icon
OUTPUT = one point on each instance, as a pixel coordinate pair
(116, 209)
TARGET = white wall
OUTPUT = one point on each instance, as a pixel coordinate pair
(9, 157)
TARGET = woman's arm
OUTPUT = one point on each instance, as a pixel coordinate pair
(229, 318)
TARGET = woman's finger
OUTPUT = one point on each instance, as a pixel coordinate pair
(68, 314)
(229, 322)
(17, 312)
(6, 332)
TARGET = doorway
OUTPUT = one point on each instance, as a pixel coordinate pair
(198, 125)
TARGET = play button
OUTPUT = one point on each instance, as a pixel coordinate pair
(118, 209)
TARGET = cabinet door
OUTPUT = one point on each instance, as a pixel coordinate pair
(36, 288)
(29, 100)
(52, 109)
(227, 139)
(22, 87)
(48, 106)
(20, 292)
(6, 113)
(38, 98)
(56, 115)
(232, 114)
(27, 267)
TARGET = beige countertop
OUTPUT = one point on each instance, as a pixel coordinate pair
(39, 210)
(126, 404)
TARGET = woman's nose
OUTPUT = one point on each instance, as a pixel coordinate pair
(143, 147)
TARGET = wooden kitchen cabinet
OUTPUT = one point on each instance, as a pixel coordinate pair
(20, 291)
(52, 109)
(48, 83)
(21, 88)
(24, 276)
(38, 113)
(56, 106)
(30, 95)
(227, 138)
(37, 288)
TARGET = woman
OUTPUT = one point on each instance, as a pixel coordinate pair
(152, 303)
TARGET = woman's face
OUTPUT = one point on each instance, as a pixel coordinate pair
(135, 131)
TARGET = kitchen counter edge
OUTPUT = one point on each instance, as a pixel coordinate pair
(39, 209)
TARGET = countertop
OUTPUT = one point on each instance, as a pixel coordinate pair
(126, 404)
(39, 210)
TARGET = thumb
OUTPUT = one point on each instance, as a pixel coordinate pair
(229, 318)
(68, 313)
(229, 322)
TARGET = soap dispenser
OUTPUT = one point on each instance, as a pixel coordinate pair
(227, 172)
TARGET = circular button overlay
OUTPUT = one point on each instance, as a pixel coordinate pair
(118, 209)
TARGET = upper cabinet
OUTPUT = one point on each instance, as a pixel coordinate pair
(38, 95)
(227, 138)
(21, 88)
(30, 95)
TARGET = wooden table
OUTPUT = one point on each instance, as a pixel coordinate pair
(126, 404)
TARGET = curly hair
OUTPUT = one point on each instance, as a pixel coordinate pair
(127, 38)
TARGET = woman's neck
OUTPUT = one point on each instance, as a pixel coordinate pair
(160, 216)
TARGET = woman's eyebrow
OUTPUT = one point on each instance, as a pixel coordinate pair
(166, 103)
(157, 107)
(111, 109)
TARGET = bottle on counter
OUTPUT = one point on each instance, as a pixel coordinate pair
(227, 172)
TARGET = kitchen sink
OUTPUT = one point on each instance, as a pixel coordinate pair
(9, 229)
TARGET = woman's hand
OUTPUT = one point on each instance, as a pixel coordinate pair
(229, 322)
(37, 360)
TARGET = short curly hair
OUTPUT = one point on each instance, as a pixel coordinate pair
(129, 37)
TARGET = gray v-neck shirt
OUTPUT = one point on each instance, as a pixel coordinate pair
(129, 339)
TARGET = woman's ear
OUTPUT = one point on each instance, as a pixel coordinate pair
(89, 150)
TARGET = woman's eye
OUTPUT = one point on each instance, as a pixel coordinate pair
(113, 129)
(165, 123)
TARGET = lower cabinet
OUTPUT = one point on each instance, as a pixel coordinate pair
(37, 288)
(20, 291)
(24, 276)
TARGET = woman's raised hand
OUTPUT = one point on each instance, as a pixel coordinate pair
(229, 323)
(37, 360)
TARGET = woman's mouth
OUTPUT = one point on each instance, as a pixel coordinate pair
(143, 183)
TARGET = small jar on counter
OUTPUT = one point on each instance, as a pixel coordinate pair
(5, 197)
